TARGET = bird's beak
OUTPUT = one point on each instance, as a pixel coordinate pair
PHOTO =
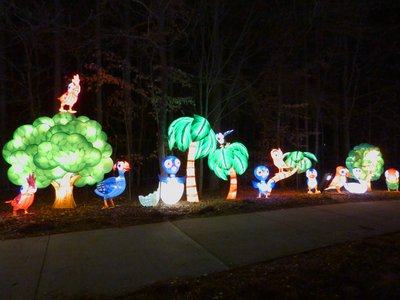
(127, 167)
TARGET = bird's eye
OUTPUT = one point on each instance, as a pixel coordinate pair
(177, 163)
(259, 172)
(168, 163)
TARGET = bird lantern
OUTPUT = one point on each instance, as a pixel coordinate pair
(312, 182)
(112, 187)
(171, 186)
(262, 173)
(70, 97)
(26, 196)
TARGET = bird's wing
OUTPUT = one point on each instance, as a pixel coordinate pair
(181, 179)
(255, 184)
(163, 178)
(106, 186)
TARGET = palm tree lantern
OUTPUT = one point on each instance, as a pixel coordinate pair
(229, 160)
(196, 136)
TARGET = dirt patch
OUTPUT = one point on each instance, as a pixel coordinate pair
(88, 215)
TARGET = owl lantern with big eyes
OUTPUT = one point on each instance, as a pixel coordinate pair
(171, 186)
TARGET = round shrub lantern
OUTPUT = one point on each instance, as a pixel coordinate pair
(64, 151)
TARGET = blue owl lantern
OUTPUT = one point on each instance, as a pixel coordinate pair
(264, 188)
(171, 186)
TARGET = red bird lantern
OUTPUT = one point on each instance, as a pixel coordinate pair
(26, 196)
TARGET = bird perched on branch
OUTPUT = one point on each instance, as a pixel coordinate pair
(113, 186)
(278, 159)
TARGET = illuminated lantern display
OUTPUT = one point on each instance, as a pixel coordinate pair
(312, 182)
(392, 179)
(113, 186)
(359, 187)
(70, 97)
(26, 196)
(196, 135)
(171, 187)
(64, 151)
(369, 159)
(229, 160)
(151, 199)
(262, 173)
(277, 157)
(290, 163)
(339, 180)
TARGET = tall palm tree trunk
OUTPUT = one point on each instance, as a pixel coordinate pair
(232, 185)
(191, 189)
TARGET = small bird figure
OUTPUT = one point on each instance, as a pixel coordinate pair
(359, 187)
(70, 97)
(277, 157)
(221, 138)
(262, 173)
(113, 186)
(312, 181)
(392, 179)
(339, 180)
(171, 186)
(26, 196)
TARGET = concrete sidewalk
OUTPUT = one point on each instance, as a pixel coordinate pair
(113, 262)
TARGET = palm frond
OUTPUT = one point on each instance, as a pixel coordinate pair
(200, 128)
(179, 133)
(207, 145)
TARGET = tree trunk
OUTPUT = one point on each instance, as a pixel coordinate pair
(191, 189)
(128, 112)
(232, 184)
(162, 52)
(57, 62)
(99, 99)
(64, 191)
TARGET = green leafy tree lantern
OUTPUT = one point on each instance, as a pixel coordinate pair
(229, 160)
(369, 159)
(302, 161)
(64, 151)
(196, 135)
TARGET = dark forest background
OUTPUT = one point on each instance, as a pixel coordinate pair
(318, 76)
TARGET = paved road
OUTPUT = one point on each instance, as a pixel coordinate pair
(114, 262)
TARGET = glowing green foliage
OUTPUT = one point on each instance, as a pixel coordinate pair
(369, 159)
(185, 130)
(53, 147)
(233, 155)
(301, 160)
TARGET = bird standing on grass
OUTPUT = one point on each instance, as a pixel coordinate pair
(113, 186)
(26, 196)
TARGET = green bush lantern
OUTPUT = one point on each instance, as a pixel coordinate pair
(369, 159)
(64, 151)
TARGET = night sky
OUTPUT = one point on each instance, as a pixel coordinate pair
(317, 76)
